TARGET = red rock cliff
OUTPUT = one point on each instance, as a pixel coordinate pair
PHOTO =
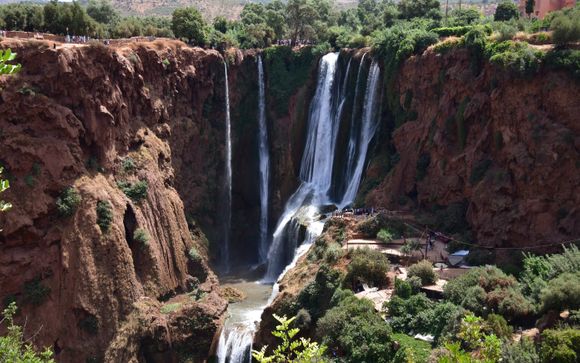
(73, 117)
(503, 146)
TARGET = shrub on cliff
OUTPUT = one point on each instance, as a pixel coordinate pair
(68, 201)
(316, 296)
(355, 332)
(141, 236)
(104, 215)
(367, 266)
(136, 191)
(13, 347)
(423, 270)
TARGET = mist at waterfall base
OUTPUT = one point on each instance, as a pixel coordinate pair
(323, 182)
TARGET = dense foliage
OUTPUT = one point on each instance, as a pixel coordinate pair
(13, 346)
(367, 267)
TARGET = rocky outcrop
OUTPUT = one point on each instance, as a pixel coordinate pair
(502, 146)
(105, 121)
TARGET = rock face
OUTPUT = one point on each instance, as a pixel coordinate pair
(103, 121)
(502, 147)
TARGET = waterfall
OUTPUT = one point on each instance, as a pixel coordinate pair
(368, 127)
(228, 218)
(318, 157)
(317, 165)
(235, 344)
(353, 125)
(264, 163)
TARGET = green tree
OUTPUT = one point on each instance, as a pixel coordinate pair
(220, 24)
(13, 347)
(102, 11)
(505, 11)
(290, 350)
(301, 15)
(411, 245)
(410, 9)
(189, 24)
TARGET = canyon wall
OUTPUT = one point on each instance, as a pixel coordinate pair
(103, 121)
(485, 149)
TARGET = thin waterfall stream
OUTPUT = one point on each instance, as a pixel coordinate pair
(301, 221)
(264, 160)
(228, 217)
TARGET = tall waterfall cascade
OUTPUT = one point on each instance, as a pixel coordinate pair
(264, 160)
(318, 161)
(228, 177)
(299, 225)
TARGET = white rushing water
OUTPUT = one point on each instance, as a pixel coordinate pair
(228, 217)
(264, 159)
(369, 124)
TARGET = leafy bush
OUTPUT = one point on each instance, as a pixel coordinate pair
(516, 56)
(505, 31)
(423, 270)
(290, 349)
(560, 346)
(488, 289)
(523, 351)
(104, 215)
(333, 253)
(499, 326)
(316, 297)
(13, 347)
(367, 266)
(447, 45)
(473, 336)
(68, 201)
(562, 293)
(403, 289)
(303, 319)
(135, 191)
(566, 27)
(385, 235)
(141, 236)
(193, 255)
(538, 270)
(456, 31)
(128, 164)
(354, 331)
(506, 10)
(565, 59)
(404, 312)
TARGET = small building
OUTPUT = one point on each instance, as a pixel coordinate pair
(543, 7)
(458, 257)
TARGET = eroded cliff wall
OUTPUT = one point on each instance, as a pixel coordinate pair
(484, 148)
(80, 116)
